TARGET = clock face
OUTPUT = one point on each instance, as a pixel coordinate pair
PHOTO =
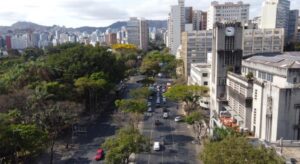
(229, 31)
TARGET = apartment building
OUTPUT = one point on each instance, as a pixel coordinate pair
(195, 46)
(263, 40)
(138, 32)
(227, 12)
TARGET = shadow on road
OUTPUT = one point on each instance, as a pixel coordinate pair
(179, 138)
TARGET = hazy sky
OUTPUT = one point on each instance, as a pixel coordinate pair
(76, 13)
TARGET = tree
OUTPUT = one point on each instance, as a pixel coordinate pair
(190, 95)
(19, 140)
(134, 107)
(126, 142)
(237, 150)
(140, 93)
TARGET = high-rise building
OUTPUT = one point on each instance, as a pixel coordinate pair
(227, 12)
(199, 20)
(293, 26)
(226, 56)
(275, 14)
(195, 46)
(188, 14)
(138, 32)
(133, 31)
(8, 42)
(176, 25)
(144, 34)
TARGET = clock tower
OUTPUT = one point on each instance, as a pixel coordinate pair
(226, 56)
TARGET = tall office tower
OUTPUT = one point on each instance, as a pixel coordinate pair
(227, 12)
(275, 14)
(188, 14)
(293, 26)
(199, 20)
(182, 14)
(298, 33)
(138, 32)
(226, 56)
(176, 25)
(195, 46)
(133, 31)
(144, 34)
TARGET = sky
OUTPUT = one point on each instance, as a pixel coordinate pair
(97, 13)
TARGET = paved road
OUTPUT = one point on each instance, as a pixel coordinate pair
(177, 138)
(84, 147)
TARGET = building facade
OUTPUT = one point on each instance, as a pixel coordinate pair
(176, 25)
(195, 46)
(199, 20)
(276, 95)
(262, 40)
(226, 56)
(138, 32)
(227, 12)
(275, 14)
(293, 26)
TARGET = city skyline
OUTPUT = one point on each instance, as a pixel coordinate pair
(94, 13)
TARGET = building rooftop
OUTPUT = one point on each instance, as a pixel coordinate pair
(281, 60)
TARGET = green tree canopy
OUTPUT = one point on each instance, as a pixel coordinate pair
(237, 150)
(190, 95)
(126, 142)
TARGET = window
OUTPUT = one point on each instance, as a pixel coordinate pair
(255, 94)
(204, 74)
(205, 83)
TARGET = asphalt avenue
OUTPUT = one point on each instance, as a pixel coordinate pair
(175, 137)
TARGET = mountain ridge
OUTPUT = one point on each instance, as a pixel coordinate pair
(23, 25)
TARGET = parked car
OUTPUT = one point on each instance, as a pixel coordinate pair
(156, 146)
(178, 119)
(157, 122)
(99, 155)
(165, 115)
(149, 109)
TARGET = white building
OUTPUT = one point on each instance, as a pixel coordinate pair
(276, 95)
(176, 25)
(19, 42)
(228, 12)
(263, 40)
(275, 14)
(200, 75)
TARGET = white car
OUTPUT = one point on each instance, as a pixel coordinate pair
(149, 103)
(178, 119)
(165, 115)
(156, 146)
(164, 99)
(149, 109)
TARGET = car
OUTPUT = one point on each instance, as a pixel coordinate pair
(158, 100)
(99, 155)
(149, 109)
(165, 115)
(149, 103)
(163, 90)
(165, 110)
(156, 146)
(150, 97)
(157, 122)
(178, 119)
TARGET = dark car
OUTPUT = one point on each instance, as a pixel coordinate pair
(157, 122)
(99, 155)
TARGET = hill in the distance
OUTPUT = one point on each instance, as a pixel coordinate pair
(117, 25)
